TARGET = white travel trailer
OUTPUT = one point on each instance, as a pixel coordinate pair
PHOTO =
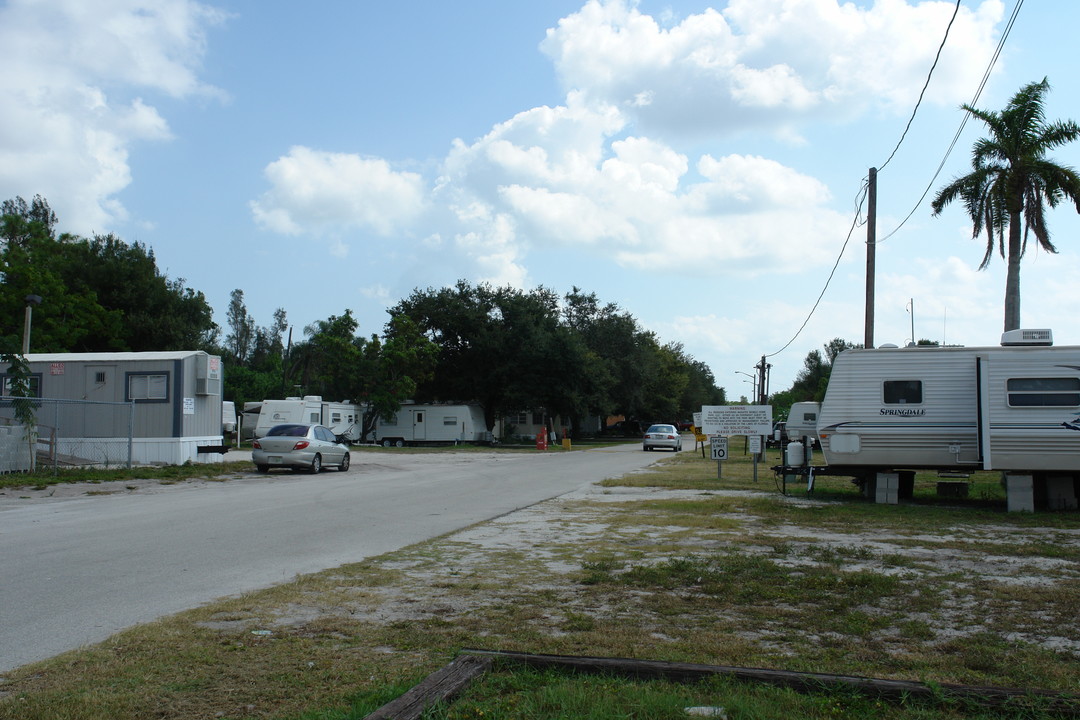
(433, 424)
(228, 417)
(342, 418)
(802, 421)
(1013, 408)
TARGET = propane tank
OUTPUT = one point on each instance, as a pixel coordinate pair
(794, 453)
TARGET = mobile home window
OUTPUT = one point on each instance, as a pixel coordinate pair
(1044, 392)
(34, 381)
(148, 387)
(903, 392)
(449, 420)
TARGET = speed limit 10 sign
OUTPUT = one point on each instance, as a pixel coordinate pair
(719, 448)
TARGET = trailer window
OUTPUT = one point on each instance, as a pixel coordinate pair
(1044, 392)
(33, 385)
(449, 420)
(903, 392)
(148, 387)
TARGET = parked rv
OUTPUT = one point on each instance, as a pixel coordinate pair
(341, 417)
(228, 417)
(249, 419)
(433, 425)
(1013, 408)
(802, 422)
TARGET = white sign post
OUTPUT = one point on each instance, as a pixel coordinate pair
(719, 448)
(719, 451)
(754, 441)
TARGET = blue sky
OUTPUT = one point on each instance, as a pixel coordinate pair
(697, 164)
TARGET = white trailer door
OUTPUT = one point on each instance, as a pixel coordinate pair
(418, 418)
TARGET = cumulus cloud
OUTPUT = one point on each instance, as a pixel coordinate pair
(604, 173)
(765, 63)
(70, 89)
(325, 192)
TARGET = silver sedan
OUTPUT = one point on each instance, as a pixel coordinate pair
(662, 436)
(300, 447)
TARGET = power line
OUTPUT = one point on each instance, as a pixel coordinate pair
(952, 145)
(851, 230)
(963, 121)
(937, 57)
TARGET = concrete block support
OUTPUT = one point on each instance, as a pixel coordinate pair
(888, 488)
(1020, 493)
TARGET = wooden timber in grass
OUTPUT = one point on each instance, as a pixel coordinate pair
(443, 685)
(894, 690)
(448, 682)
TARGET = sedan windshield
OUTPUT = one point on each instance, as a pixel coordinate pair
(662, 429)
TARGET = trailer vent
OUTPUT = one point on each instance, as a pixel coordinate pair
(1027, 337)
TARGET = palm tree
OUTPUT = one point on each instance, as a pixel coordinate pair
(1011, 177)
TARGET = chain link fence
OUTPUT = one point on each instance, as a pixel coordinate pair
(66, 433)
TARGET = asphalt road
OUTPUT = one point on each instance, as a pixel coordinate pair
(75, 570)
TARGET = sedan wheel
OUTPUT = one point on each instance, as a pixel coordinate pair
(262, 468)
(344, 463)
(316, 464)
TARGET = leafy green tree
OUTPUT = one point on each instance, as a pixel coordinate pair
(254, 356)
(97, 295)
(21, 397)
(497, 347)
(330, 361)
(241, 337)
(34, 262)
(392, 369)
(624, 358)
(510, 350)
(1012, 181)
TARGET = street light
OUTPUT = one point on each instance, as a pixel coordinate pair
(753, 379)
(31, 300)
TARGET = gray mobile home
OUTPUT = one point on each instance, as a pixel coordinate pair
(168, 403)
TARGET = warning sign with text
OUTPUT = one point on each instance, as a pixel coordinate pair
(728, 420)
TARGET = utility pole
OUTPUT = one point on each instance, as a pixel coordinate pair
(871, 255)
(762, 381)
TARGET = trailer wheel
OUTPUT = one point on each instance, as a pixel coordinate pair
(386, 443)
(399, 443)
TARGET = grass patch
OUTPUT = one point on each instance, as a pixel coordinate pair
(44, 477)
